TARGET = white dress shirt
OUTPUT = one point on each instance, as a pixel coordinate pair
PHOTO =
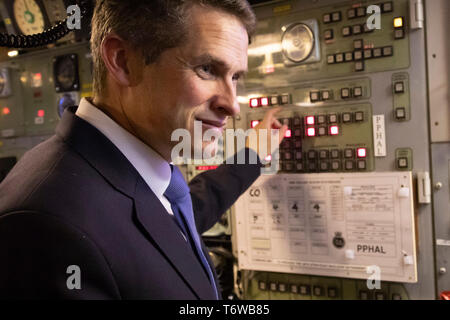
(155, 171)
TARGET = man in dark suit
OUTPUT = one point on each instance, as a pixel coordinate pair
(95, 211)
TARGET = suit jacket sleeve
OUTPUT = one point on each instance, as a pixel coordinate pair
(36, 250)
(214, 192)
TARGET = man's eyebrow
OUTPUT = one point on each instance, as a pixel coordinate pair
(208, 58)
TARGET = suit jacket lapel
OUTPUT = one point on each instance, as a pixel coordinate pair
(104, 156)
(163, 230)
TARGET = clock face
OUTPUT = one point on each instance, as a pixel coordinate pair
(298, 42)
(29, 16)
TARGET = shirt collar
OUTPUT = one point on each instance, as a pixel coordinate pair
(155, 171)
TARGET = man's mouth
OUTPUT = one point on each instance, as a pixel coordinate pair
(213, 123)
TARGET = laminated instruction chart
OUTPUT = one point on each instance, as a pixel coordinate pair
(329, 224)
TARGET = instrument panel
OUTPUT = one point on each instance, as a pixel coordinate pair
(352, 111)
(354, 100)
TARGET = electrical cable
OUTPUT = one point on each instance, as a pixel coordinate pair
(50, 35)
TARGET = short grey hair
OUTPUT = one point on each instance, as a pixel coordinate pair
(152, 26)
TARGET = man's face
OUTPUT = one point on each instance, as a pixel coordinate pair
(194, 82)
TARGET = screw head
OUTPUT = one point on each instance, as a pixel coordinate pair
(442, 270)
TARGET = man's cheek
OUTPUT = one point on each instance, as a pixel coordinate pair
(198, 93)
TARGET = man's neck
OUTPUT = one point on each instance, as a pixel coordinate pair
(117, 114)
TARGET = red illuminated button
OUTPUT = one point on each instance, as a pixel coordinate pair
(310, 120)
(254, 123)
(40, 113)
(334, 130)
(362, 152)
(205, 168)
(254, 103)
(445, 295)
(6, 111)
(264, 102)
(288, 133)
(311, 132)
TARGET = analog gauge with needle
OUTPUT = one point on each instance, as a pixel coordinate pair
(29, 16)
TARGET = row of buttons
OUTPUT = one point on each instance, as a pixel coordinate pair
(301, 289)
(323, 95)
(313, 166)
(348, 31)
(356, 29)
(270, 101)
(357, 55)
(332, 17)
(356, 12)
(377, 295)
(319, 291)
(334, 118)
(361, 11)
(348, 153)
(356, 92)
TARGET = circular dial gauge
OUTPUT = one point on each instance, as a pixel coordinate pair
(66, 73)
(297, 42)
(28, 16)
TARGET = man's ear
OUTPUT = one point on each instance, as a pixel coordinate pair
(121, 60)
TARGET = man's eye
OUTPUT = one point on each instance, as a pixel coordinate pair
(236, 77)
(205, 71)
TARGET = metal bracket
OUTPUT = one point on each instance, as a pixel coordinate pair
(416, 12)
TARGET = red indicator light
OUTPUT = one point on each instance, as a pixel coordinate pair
(6, 111)
(264, 102)
(254, 103)
(205, 168)
(311, 132)
(41, 113)
(288, 133)
(362, 152)
(269, 69)
(310, 120)
(254, 123)
(334, 130)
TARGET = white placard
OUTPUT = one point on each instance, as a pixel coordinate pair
(307, 224)
(379, 135)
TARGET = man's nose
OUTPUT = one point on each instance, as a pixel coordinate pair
(226, 101)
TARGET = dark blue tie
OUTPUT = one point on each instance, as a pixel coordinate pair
(180, 199)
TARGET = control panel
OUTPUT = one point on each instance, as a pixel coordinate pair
(35, 89)
(327, 42)
(354, 188)
(351, 163)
